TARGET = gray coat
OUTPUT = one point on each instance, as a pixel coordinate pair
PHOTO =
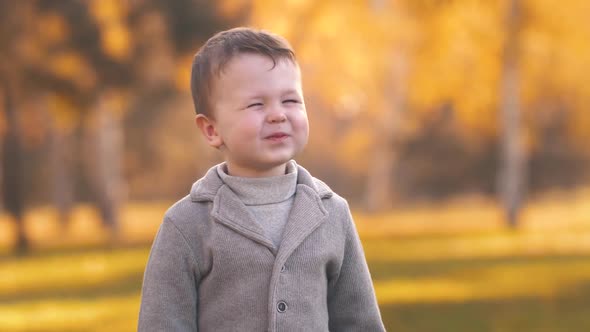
(212, 269)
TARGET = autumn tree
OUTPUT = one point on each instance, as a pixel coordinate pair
(356, 58)
(13, 28)
(86, 66)
(512, 173)
(12, 167)
(391, 66)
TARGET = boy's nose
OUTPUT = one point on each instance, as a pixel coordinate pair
(276, 115)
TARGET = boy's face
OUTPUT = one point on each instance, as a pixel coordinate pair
(260, 121)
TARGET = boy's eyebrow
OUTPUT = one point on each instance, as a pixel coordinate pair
(289, 91)
(262, 95)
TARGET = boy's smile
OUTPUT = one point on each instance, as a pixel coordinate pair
(259, 118)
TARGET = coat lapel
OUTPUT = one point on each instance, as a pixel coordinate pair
(231, 212)
(227, 208)
(307, 213)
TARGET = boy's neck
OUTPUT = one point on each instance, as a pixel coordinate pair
(235, 170)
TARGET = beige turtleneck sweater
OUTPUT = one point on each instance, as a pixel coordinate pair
(268, 199)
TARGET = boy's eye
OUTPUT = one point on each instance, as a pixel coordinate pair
(291, 101)
(254, 105)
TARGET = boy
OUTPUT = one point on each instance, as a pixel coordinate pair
(258, 244)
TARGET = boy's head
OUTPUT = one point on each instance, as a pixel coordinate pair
(214, 55)
(246, 87)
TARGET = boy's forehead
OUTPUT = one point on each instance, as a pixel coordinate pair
(245, 69)
(248, 59)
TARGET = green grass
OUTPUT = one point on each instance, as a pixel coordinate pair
(535, 293)
(462, 272)
(84, 290)
(496, 281)
(99, 289)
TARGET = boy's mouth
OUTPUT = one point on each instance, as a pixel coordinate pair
(277, 136)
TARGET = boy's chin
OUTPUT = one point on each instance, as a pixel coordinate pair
(279, 161)
(274, 164)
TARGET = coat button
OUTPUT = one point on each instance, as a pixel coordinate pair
(283, 269)
(282, 306)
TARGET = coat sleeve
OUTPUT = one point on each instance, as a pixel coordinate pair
(352, 305)
(170, 283)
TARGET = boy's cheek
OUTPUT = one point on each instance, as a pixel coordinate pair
(305, 126)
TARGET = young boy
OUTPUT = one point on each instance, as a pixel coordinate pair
(258, 244)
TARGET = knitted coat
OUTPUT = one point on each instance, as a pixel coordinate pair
(212, 269)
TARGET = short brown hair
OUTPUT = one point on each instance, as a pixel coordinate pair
(214, 55)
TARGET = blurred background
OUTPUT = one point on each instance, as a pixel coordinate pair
(458, 130)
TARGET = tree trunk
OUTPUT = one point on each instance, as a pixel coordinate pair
(3, 128)
(512, 174)
(380, 191)
(60, 155)
(105, 148)
(388, 121)
(12, 166)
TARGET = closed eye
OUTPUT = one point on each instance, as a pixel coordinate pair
(291, 101)
(254, 105)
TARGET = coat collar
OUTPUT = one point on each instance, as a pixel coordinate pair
(206, 188)
(307, 212)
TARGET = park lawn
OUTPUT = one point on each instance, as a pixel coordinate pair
(451, 268)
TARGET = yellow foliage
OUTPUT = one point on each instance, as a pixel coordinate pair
(231, 8)
(115, 101)
(116, 41)
(105, 11)
(52, 28)
(580, 124)
(65, 115)
(115, 37)
(454, 49)
(29, 50)
(343, 47)
(459, 63)
(72, 66)
(356, 143)
(183, 72)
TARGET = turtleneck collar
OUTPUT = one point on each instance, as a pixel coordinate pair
(260, 191)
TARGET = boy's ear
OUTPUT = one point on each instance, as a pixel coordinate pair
(209, 131)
